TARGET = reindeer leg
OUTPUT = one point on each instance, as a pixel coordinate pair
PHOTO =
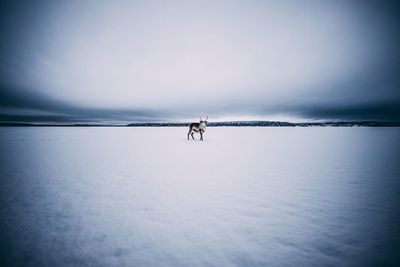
(192, 135)
(190, 131)
(201, 135)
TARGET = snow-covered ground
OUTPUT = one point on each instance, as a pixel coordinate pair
(243, 197)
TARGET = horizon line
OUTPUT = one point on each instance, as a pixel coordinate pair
(231, 123)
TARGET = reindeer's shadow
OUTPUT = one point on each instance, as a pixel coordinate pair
(194, 140)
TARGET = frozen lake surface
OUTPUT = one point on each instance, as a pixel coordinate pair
(243, 197)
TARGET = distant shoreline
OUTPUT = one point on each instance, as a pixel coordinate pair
(213, 124)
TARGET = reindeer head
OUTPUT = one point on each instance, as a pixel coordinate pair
(203, 121)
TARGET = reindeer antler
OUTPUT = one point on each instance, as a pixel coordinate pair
(207, 118)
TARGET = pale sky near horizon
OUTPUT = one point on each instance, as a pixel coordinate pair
(138, 60)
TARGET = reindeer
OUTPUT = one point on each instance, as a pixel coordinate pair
(198, 127)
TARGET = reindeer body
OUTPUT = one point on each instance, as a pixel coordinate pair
(197, 127)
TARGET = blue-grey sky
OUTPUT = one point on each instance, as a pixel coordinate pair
(167, 60)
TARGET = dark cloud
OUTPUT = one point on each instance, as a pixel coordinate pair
(25, 99)
(32, 107)
(388, 111)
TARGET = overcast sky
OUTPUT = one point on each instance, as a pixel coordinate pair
(168, 60)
